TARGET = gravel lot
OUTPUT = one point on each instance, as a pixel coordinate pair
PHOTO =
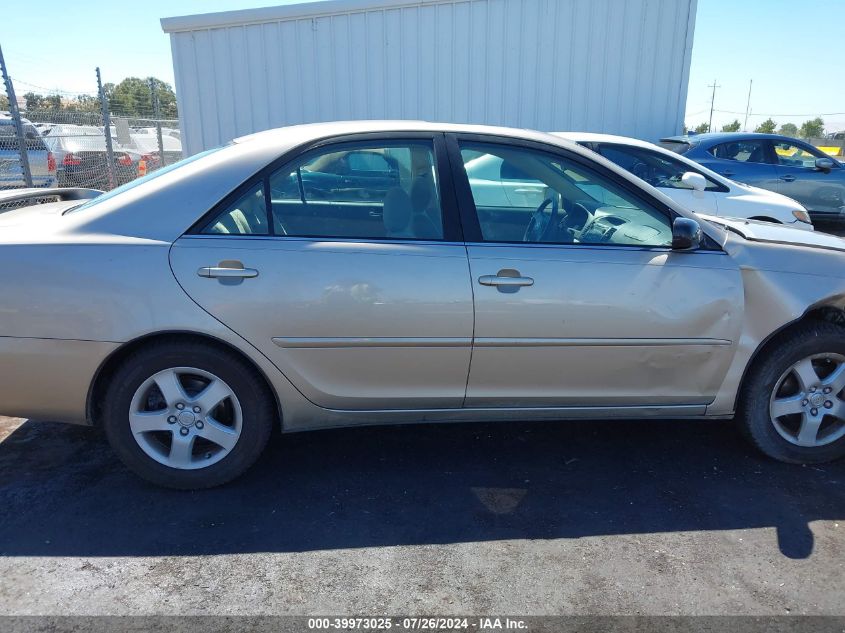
(653, 517)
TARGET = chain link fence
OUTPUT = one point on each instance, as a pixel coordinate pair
(97, 141)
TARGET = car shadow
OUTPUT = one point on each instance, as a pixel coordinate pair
(63, 493)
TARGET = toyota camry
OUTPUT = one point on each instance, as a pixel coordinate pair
(345, 274)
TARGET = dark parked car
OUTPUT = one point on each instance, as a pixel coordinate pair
(786, 165)
(81, 157)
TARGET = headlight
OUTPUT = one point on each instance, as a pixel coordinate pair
(802, 216)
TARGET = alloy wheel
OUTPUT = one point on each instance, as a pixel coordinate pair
(185, 418)
(806, 406)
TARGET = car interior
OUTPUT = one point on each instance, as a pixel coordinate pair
(578, 207)
(403, 202)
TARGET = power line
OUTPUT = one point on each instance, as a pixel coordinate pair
(782, 114)
(55, 91)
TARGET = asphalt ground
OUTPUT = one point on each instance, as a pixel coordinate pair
(592, 517)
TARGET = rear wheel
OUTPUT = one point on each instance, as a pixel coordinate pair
(187, 415)
(793, 407)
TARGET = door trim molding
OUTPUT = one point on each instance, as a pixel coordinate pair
(295, 342)
(595, 342)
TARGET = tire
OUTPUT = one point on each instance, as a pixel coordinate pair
(774, 377)
(142, 426)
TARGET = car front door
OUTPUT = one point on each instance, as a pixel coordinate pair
(665, 173)
(361, 298)
(583, 303)
(822, 192)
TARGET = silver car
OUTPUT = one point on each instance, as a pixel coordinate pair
(190, 311)
(42, 162)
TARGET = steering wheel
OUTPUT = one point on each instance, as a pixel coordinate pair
(540, 224)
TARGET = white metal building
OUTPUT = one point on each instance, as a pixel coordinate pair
(616, 66)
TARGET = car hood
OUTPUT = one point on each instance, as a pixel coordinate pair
(757, 231)
(769, 197)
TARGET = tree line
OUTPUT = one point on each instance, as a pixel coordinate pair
(813, 128)
(130, 98)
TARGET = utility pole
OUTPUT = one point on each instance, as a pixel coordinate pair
(16, 116)
(104, 104)
(157, 115)
(712, 102)
(748, 106)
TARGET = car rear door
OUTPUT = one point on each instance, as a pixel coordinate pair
(744, 160)
(604, 315)
(361, 298)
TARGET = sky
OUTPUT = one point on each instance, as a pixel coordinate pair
(783, 45)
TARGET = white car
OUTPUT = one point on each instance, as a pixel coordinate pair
(697, 188)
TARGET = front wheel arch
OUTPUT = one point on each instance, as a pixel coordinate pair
(827, 313)
(102, 379)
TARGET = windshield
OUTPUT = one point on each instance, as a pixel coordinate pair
(138, 181)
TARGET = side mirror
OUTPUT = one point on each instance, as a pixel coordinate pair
(686, 234)
(824, 164)
(694, 181)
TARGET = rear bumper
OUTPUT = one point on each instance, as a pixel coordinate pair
(48, 379)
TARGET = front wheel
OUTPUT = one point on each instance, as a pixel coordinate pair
(187, 415)
(792, 406)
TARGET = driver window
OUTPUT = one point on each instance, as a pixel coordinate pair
(552, 200)
(793, 155)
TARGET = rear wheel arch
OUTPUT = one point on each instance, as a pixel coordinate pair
(102, 379)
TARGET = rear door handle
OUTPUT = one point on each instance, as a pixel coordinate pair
(227, 272)
(495, 280)
(788, 178)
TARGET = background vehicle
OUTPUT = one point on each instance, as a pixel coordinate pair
(778, 163)
(143, 146)
(82, 159)
(189, 311)
(42, 163)
(697, 188)
(369, 173)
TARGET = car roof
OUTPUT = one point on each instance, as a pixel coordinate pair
(724, 136)
(310, 132)
(593, 137)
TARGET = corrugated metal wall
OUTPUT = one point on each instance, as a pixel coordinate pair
(616, 66)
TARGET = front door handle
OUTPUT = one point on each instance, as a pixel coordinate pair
(505, 281)
(227, 272)
(788, 178)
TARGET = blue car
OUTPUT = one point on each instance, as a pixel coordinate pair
(786, 165)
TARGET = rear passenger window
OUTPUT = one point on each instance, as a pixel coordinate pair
(247, 216)
(373, 191)
(742, 151)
